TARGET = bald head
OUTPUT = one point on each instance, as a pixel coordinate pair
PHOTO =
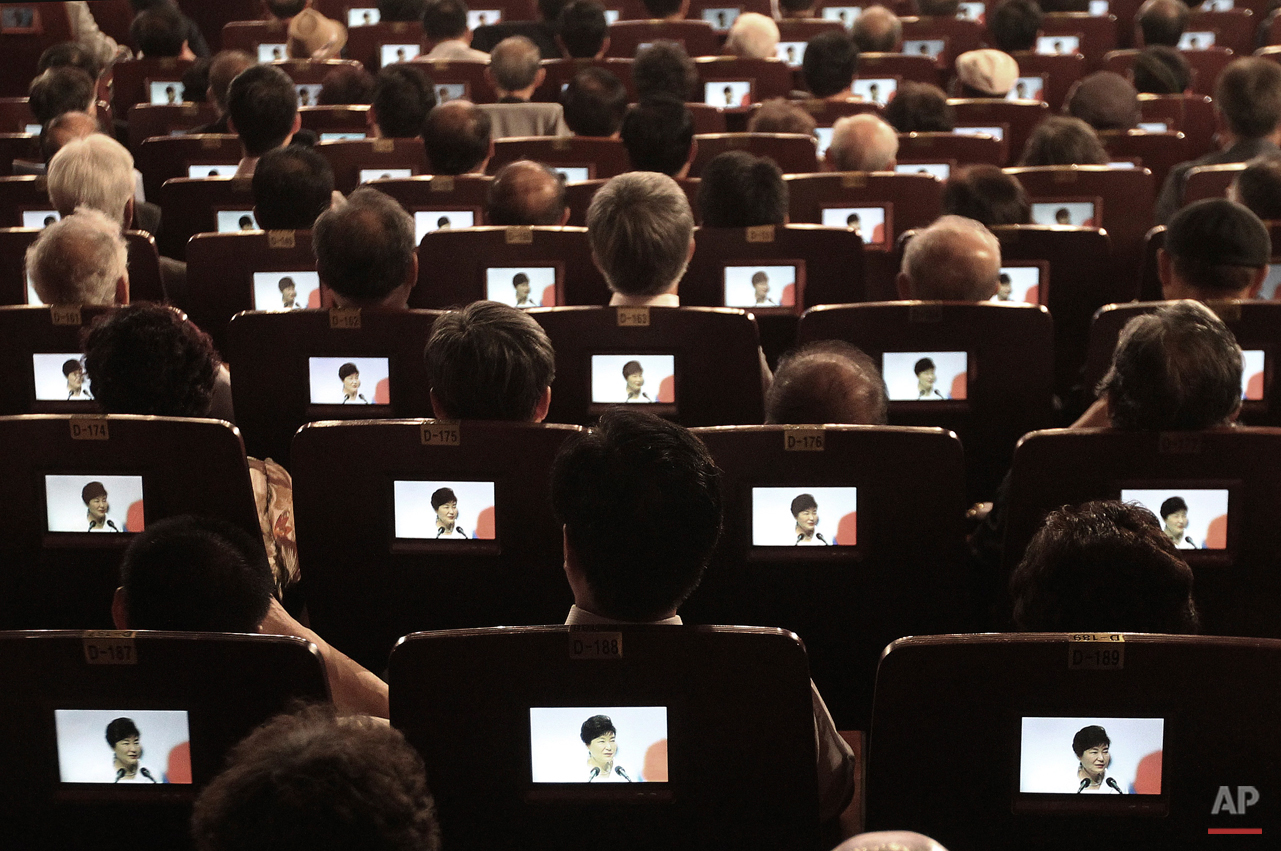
(954, 259)
(862, 143)
(878, 30)
(752, 36)
(526, 193)
(826, 382)
(1162, 21)
(64, 128)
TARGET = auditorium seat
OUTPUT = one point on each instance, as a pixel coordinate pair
(766, 78)
(466, 78)
(696, 36)
(32, 330)
(1097, 33)
(578, 196)
(893, 567)
(323, 120)
(365, 43)
(311, 72)
(192, 205)
(131, 80)
(147, 120)
(63, 577)
(1206, 65)
(1235, 29)
(15, 116)
(374, 569)
(704, 363)
(1191, 115)
(18, 146)
(1204, 700)
(355, 161)
(1157, 152)
(794, 153)
(909, 200)
(47, 25)
(144, 265)
(709, 10)
(1020, 117)
(601, 157)
(1057, 71)
(275, 358)
(561, 71)
(247, 35)
(164, 157)
(443, 194)
(750, 686)
(901, 66)
(957, 34)
(1209, 181)
(24, 201)
(459, 266)
(952, 149)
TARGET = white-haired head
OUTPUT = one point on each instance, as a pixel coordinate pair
(954, 259)
(752, 36)
(81, 259)
(95, 171)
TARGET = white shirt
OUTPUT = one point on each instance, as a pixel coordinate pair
(456, 533)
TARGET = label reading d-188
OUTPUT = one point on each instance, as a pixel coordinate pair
(595, 645)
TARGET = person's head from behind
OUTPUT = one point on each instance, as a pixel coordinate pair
(752, 36)
(861, 143)
(285, 9)
(1162, 21)
(640, 500)
(584, 32)
(318, 781)
(664, 68)
(60, 89)
(1258, 187)
(401, 10)
(403, 95)
(829, 381)
(1177, 369)
(292, 186)
(1214, 249)
(456, 137)
(365, 251)
(223, 68)
(263, 106)
(985, 73)
(641, 231)
(1103, 566)
(797, 8)
(920, 108)
(658, 133)
(954, 259)
(986, 194)
(444, 20)
(778, 115)
(877, 30)
(1063, 140)
(594, 102)
(526, 193)
(80, 259)
(64, 128)
(94, 171)
(1247, 98)
(1014, 25)
(1106, 101)
(740, 190)
(830, 63)
(1161, 70)
(193, 574)
(346, 85)
(666, 8)
(149, 359)
(69, 53)
(159, 32)
(514, 66)
(489, 361)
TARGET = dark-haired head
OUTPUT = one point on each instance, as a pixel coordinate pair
(827, 381)
(292, 187)
(595, 727)
(739, 190)
(658, 133)
(1093, 736)
(263, 105)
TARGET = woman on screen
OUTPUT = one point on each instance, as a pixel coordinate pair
(634, 374)
(349, 374)
(760, 286)
(97, 505)
(126, 749)
(805, 512)
(520, 281)
(445, 504)
(601, 738)
(74, 372)
(925, 378)
(1174, 516)
(1092, 748)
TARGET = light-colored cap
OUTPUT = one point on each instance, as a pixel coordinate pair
(990, 71)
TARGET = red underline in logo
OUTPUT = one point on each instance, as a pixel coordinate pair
(1236, 830)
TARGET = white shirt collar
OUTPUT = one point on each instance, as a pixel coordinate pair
(660, 300)
(582, 617)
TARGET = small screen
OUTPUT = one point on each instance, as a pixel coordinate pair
(625, 744)
(446, 92)
(726, 94)
(867, 222)
(791, 52)
(760, 286)
(997, 133)
(286, 290)
(1027, 88)
(93, 503)
(426, 221)
(824, 135)
(623, 379)
(17, 17)
(341, 137)
(1119, 756)
(971, 11)
(39, 218)
(1251, 376)
(1019, 283)
(930, 47)
(1271, 283)
(925, 376)
(939, 170)
(1217, 5)
(231, 221)
(33, 129)
(1121, 165)
(524, 286)
(1054, 45)
(308, 94)
(611, 16)
(1099, 8)
(804, 517)
(117, 746)
(271, 52)
(847, 15)
(368, 174)
(1074, 213)
(444, 510)
(61, 377)
(1153, 126)
(721, 19)
(212, 170)
(165, 91)
(32, 297)
(391, 54)
(1196, 41)
(1193, 518)
(876, 89)
(573, 174)
(483, 17)
(349, 381)
(362, 17)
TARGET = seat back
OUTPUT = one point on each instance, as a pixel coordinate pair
(561, 71)
(132, 81)
(952, 149)
(577, 157)
(30, 30)
(311, 72)
(148, 120)
(1058, 71)
(1235, 29)
(59, 575)
(163, 157)
(907, 200)
(38, 342)
(578, 197)
(1157, 152)
(957, 34)
(356, 161)
(231, 272)
(329, 121)
(794, 153)
(249, 36)
(900, 66)
(367, 533)
(1206, 66)
(696, 36)
(193, 205)
(1020, 116)
(459, 200)
(670, 679)
(749, 80)
(15, 115)
(721, 15)
(673, 346)
(878, 579)
(1097, 33)
(458, 79)
(994, 368)
(1209, 181)
(144, 266)
(192, 697)
(1191, 115)
(24, 202)
(1016, 694)
(286, 366)
(18, 146)
(366, 43)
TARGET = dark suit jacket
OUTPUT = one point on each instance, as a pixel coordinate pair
(1171, 197)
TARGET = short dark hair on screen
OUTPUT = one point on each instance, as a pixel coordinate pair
(364, 248)
(1173, 504)
(830, 62)
(292, 187)
(120, 729)
(442, 496)
(594, 102)
(803, 502)
(1092, 736)
(196, 574)
(658, 133)
(262, 103)
(596, 726)
(489, 361)
(403, 95)
(640, 499)
(739, 190)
